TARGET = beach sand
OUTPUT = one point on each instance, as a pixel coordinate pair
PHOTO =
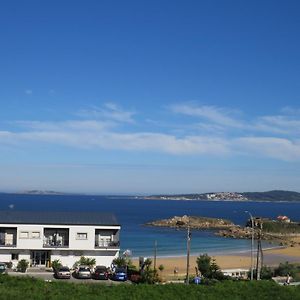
(272, 257)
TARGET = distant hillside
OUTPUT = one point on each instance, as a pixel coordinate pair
(276, 195)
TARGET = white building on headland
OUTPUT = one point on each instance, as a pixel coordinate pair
(41, 237)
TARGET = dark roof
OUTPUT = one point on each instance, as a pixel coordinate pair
(57, 218)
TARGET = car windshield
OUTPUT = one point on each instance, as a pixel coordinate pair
(84, 269)
(64, 269)
(101, 269)
(120, 271)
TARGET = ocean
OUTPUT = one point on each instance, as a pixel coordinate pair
(133, 213)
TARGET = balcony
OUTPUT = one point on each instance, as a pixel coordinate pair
(107, 239)
(8, 237)
(107, 244)
(56, 238)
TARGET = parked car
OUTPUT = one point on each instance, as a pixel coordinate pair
(62, 273)
(100, 272)
(83, 272)
(3, 268)
(120, 274)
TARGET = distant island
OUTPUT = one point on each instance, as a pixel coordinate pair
(39, 192)
(272, 196)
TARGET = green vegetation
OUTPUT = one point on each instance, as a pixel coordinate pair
(28, 288)
(272, 226)
(56, 264)
(22, 265)
(85, 261)
(286, 268)
(208, 267)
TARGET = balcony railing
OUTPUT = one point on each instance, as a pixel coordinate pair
(56, 238)
(107, 244)
(55, 245)
(7, 245)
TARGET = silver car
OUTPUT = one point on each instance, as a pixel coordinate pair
(62, 273)
(83, 272)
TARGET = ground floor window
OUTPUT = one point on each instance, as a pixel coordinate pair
(15, 256)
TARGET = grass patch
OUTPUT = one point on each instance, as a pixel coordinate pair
(30, 288)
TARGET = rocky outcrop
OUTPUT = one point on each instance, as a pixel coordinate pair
(193, 222)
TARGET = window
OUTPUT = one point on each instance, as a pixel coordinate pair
(24, 235)
(81, 236)
(15, 256)
(35, 234)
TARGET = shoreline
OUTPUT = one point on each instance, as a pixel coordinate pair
(231, 260)
(226, 253)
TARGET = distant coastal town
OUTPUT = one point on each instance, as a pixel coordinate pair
(276, 195)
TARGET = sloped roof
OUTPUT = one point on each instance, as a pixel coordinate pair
(57, 218)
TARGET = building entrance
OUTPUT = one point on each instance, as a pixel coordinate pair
(40, 258)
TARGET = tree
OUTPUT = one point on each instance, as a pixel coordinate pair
(203, 262)
(208, 267)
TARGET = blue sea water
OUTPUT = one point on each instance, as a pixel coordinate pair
(132, 213)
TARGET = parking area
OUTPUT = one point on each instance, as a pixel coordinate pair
(48, 276)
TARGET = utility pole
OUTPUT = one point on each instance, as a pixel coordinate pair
(188, 253)
(259, 258)
(155, 253)
(252, 243)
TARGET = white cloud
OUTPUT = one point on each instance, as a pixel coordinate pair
(278, 148)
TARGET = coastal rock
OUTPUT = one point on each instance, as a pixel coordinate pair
(194, 222)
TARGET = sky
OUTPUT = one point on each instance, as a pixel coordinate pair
(147, 97)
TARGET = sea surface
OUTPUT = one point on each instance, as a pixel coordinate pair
(133, 213)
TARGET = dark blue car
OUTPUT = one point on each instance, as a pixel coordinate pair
(120, 274)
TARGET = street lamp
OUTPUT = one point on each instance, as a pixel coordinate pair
(252, 241)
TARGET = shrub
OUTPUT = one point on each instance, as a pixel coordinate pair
(56, 264)
(22, 265)
(286, 268)
(85, 261)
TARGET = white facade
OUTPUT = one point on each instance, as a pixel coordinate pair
(41, 244)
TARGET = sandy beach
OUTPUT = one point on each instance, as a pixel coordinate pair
(272, 257)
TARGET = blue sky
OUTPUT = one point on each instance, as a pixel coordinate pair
(149, 96)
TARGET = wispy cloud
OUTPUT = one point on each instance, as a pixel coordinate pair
(220, 134)
(109, 111)
(288, 125)
(214, 114)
